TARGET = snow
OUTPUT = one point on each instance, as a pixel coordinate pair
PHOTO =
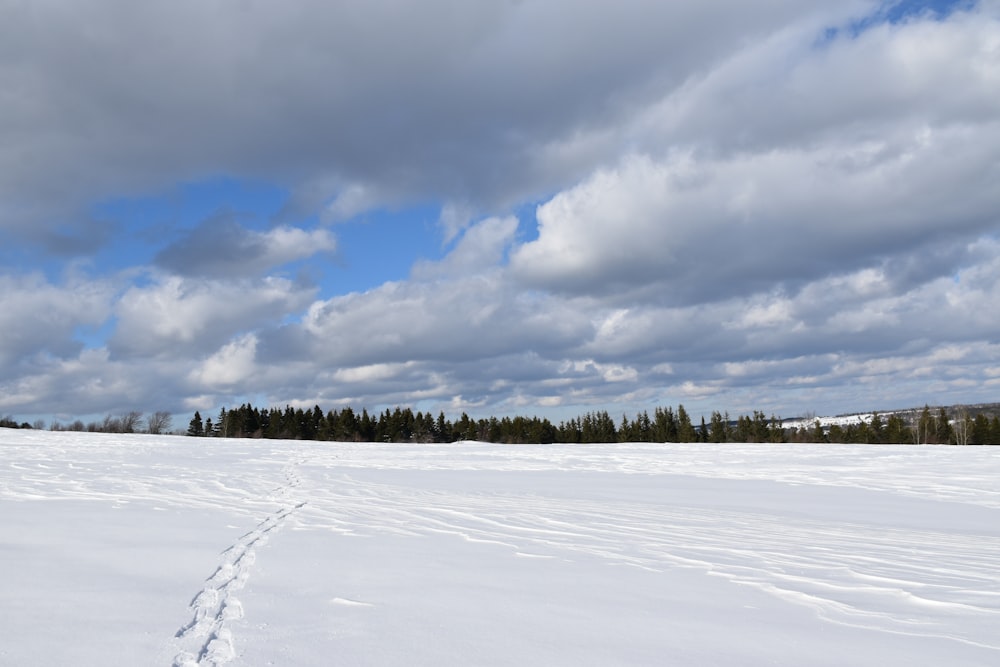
(164, 550)
(840, 420)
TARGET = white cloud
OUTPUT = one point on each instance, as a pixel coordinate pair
(38, 317)
(173, 314)
(783, 165)
(352, 200)
(369, 373)
(232, 364)
(691, 226)
(287, 244)
(481, 248)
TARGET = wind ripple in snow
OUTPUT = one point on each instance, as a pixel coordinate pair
(901, 581)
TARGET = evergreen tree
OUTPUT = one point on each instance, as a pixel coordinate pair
(743, 431)
(366, 427)
(465, 428)
(443, 429)
(980, 430)
(994, 435)
(896, 431)
(760, 428)
(716, 428)
(876, 431)
(222, 424)
(347, 428)
(817, 433)
(664, 425)
(196, 428)
(777, 430)
(942, 428)
(685, 430)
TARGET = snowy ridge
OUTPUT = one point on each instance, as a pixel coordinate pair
(840, 420)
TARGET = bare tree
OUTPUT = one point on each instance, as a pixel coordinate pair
(961, 425)
(109, 425)
(158, 422)
(130, 421)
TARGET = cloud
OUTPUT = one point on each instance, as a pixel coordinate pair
(454, 218)
(782, 206)
(782, 165)
(232, 364)
(174, 316)
(482, 246)
(40, 319)
(470, 318)
(704, 229)
(221, 248)
(351, 201)
(455, 100)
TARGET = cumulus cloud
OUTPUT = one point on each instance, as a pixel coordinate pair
(41, 318)
(701, 229)
(221, 247)
(484, 245)
(174, 315)
(472, 318)
(232, 364)
(782, 165)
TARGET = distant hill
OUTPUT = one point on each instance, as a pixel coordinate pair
(908, 415)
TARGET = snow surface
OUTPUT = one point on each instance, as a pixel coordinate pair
(160, 550)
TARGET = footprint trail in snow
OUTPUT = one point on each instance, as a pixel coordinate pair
(207, 637)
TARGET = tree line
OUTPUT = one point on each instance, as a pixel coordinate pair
(959, 425)
(130, 422)
(666, 424)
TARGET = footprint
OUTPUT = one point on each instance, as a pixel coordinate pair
(215, 605)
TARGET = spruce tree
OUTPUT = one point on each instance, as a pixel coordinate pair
(685, 430)
(195, 427)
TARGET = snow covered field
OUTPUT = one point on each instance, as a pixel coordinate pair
(149, 550)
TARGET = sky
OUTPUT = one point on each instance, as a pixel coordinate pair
(539, 207)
